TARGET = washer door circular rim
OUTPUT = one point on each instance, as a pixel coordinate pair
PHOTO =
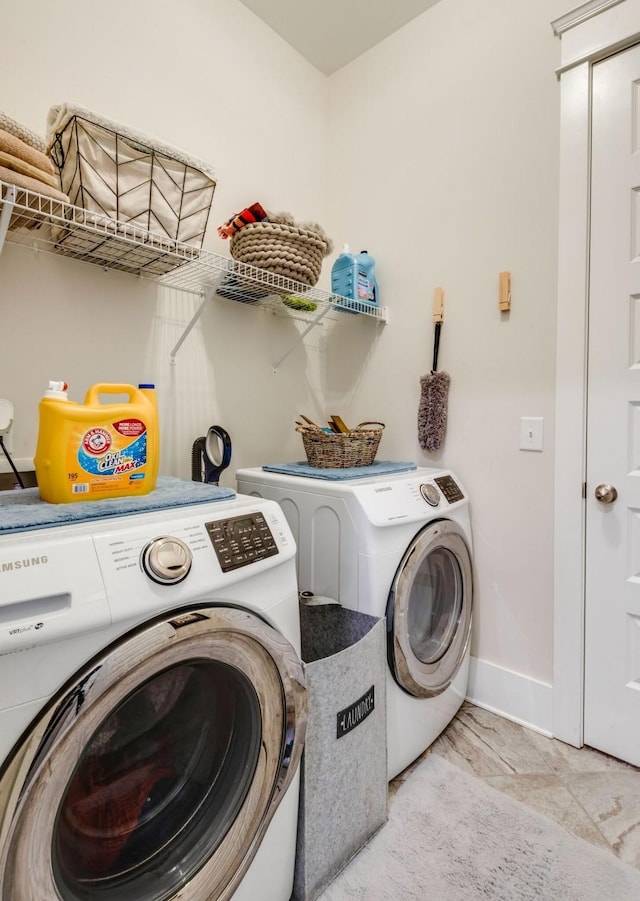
(418, 678)
(38, 776)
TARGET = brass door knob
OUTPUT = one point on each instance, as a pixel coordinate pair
(606, 494)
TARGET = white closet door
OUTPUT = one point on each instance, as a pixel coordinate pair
(612, 643)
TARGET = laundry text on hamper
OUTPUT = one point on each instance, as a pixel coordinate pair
(355, 713)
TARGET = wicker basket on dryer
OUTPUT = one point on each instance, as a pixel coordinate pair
(283, 248)
(327, 450)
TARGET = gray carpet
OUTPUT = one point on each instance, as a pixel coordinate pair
(450, 837)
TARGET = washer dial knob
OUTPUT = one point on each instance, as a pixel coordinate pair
(431, 494)
(166, 560)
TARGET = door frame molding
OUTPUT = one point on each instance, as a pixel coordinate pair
(590, 33)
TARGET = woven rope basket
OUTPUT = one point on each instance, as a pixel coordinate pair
(330, 451)
(285, 250)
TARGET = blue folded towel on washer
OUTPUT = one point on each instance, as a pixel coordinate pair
(22, 509)
(379, 468)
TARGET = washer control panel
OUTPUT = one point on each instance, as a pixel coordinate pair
(241, 540)
(449, 488)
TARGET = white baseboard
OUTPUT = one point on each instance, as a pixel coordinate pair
(518, 698)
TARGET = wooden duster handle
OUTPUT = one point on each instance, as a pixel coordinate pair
(438, 305)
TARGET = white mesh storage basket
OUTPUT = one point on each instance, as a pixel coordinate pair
(113, 172)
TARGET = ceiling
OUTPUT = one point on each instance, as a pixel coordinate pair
(331, 33)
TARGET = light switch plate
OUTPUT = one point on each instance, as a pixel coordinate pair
(531, 433)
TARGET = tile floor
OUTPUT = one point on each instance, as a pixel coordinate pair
(595, 797)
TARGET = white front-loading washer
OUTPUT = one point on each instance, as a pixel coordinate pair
(398, 546)
(153, 707)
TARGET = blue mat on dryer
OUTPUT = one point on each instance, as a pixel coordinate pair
(23, 508)
(380, 468)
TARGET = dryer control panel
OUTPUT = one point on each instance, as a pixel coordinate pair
(449, 488)
(241, 540)
(387, 502)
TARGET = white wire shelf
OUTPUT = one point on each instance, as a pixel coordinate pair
(43, 223)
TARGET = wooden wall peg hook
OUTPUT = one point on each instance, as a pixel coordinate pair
(504, 291)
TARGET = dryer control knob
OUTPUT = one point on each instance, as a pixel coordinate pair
(431, 494)
(166, 560)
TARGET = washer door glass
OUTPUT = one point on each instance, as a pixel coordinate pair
(157, 772)
(434, 605)
(429, 610)
(159, 784)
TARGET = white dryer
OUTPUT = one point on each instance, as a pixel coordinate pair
(397, 546)
(153, 707)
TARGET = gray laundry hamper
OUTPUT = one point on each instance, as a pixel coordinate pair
(343, 793)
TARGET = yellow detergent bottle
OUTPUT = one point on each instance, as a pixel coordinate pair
(97, 450)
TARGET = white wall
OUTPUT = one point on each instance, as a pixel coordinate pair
(445, 167)
(212, 79)
(437, 150)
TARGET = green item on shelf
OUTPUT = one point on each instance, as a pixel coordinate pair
(297, 303)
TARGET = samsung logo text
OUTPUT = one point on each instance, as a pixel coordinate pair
(13, 565)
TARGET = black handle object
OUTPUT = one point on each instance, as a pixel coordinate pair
(197, 455)
(436, 345)
(210, 455)
(217, 454)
